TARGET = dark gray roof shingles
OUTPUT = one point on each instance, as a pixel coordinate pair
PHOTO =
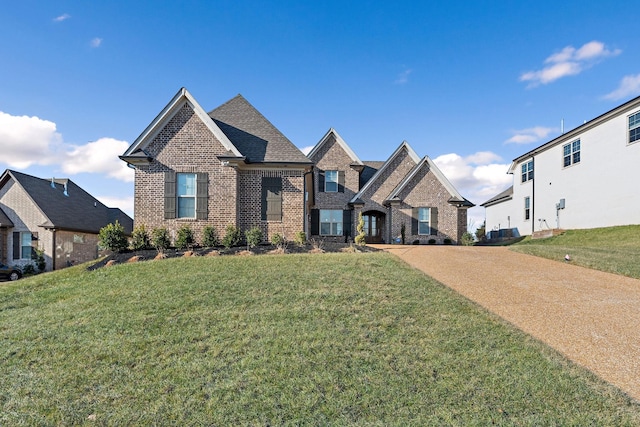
(79, 211)
(253, 135)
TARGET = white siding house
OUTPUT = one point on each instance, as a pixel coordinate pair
(584, 178)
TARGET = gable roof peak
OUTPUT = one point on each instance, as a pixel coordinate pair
(332, 132)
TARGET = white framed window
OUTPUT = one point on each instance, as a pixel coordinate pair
(634, 127)
(186, 194)
(527, 171)
(25, 245)
(527, 208)
(571, 153)
(331, 222)
(424, 221)
(331, 181)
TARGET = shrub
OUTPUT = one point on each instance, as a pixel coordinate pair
(140, 238)
(160, 239)
(40, 261)
(403, 232)
(112, 237)
(253, 236)
(432, 241)
(446, 241)
(277, 240)
(232, 237)
(28, 270)
(416, 242)
(185, 237)
(210, 237)
(467, 239)
(360, 239)
(300, 238)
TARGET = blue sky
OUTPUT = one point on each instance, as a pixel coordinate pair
(470, 85)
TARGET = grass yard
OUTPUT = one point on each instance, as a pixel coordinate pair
(333, 339)
(612, 249)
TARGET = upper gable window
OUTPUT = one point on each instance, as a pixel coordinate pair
(634, 127)
(571, 153)
(527, 171)
(331, 181)
(186, 193)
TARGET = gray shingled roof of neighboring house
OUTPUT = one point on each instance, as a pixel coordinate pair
(505, 195)
(253, 135)
(77, 211)
(4, 219)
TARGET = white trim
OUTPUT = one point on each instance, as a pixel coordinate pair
(436, 171)
(177, 102)
(340, 141)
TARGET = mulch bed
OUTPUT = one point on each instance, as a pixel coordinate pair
(110, 258)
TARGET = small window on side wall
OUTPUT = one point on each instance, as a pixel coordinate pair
(527, 171)
(634, 127)
(527, 208)
(571, 153)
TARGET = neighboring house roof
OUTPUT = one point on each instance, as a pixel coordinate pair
(253, 135)
(502, 197)
(455, 199)
(136, 154)
(340, 141)
(404, 146)
(67, 206)
(634, 103)
(4, 220)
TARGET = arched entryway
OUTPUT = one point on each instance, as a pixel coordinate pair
(373, 226)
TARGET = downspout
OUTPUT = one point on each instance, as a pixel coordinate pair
(305, 222)
(533, 197)
(53, 249)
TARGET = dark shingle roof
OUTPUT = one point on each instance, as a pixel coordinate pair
(78, 211)
(4, 219)
(505, 195)
(253, 135)
(370, 168)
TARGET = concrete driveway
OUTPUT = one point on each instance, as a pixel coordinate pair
(592, 317)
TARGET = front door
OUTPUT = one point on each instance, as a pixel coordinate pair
(373, 224)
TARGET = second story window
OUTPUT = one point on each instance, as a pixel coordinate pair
(527, 171)
(331, 181)
(527, 208)
(571, 153)
(634, 127)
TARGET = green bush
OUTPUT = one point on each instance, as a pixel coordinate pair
(467, 239)
(300, 238)
(446, 241)
(185, 239)
(232, 237)
(40, 261)
(160, 239)
(210, 237)
(253, 236)
(432, 241)
(112, 237)
(28, 270)
(140, 238)
(277, 239)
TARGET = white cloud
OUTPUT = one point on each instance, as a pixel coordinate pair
(569, 62)
(62, 17)
(30, 141)
(101, 157)
(629, 86)
(477, 177)
(96, 42)
(530, 135)
(403, 77)
(123, 203)
(27, 140)
(306, 150)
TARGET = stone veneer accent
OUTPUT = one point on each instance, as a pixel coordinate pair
(185, 144)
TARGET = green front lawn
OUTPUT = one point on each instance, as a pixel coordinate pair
(333, 339)
(612, 249)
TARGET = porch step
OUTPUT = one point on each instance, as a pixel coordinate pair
(543, 234)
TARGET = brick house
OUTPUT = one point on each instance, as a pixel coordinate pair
(53, 215)
(404, 190)
(230, 166)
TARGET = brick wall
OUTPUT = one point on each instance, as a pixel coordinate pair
(75, 248)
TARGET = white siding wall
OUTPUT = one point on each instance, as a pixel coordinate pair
(599, 191)
(499, 216)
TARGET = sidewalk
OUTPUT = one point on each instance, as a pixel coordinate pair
(592, 317)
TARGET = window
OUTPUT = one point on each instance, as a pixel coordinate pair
(527, 171)
(186, 195)
(272, 199)
(571, 153)
(634, 127)
(186, 192)
(331, 181)
(527, 208)
(330, 222)
(23, 245)
(424, 227)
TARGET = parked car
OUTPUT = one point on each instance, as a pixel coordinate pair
(9, 273)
